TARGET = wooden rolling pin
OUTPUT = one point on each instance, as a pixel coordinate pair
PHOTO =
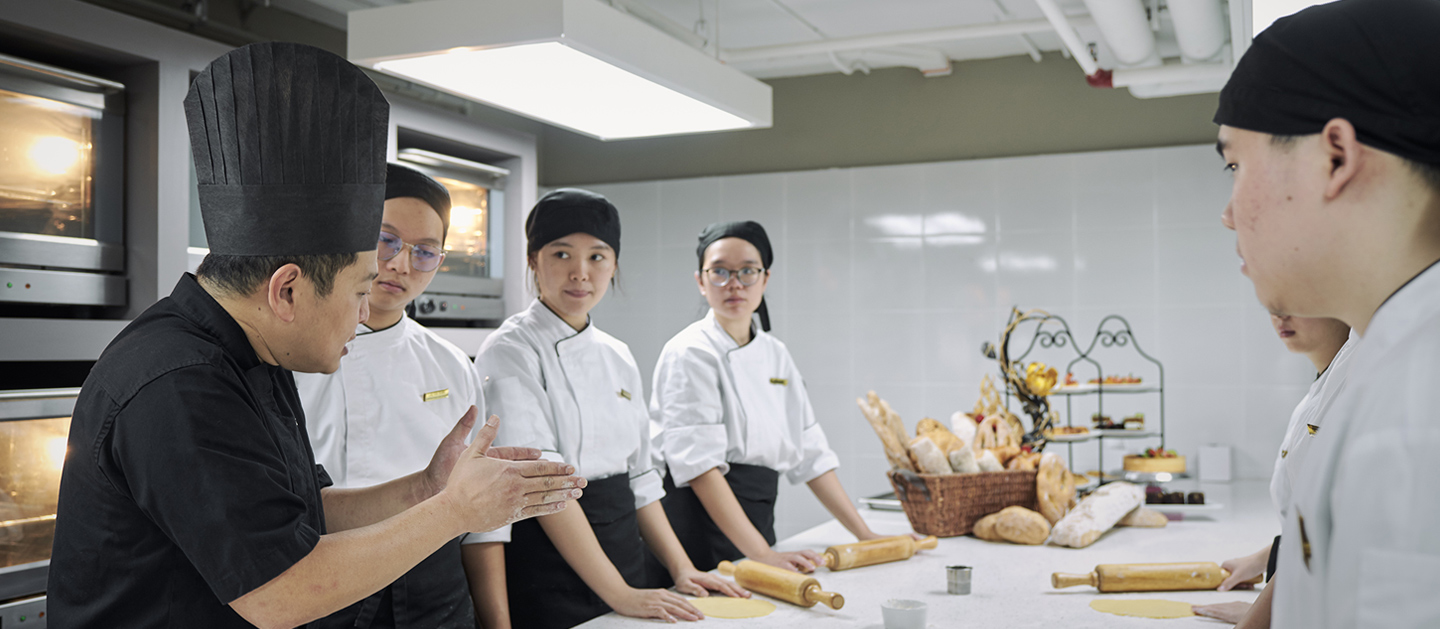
(780, 583)
(1148, 577)
(869, 553)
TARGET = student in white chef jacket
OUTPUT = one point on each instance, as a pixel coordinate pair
(1334, 142)
(730, 415)
(1329, 344)
(564, 386)
(396, 395)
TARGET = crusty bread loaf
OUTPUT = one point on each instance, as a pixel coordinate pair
(985, 528)
(938, 433)
(1024, 461)
(963, 426)
(963, 461)
(928, 456)
(1054, 488)
(1022, 526)
(1005, 453)
(987, 462)
(894, 445)
(1144, 518)
(1096, 514)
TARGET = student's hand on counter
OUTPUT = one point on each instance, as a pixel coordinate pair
(487, 493)
(799, 561)
(700, 584)
(1244, 569)
(1228, 612)
(662, 604)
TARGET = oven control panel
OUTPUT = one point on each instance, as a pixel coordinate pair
(441, 306)
(26, 612)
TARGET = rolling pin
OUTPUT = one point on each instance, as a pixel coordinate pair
(1148, 577)
(869, 553)
(780, 583)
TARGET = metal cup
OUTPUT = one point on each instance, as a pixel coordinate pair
(957, 579)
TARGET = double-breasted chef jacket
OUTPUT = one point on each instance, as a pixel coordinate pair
(189, 481)
(577, 397)
(715, 403)
(1305, 423)
(1360, 545)
(399, 391)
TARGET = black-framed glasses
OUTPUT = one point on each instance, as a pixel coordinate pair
(422, 257)
(721, 276)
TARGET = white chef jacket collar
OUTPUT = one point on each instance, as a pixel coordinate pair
(1405, 309)
(555, 330)
(365, 330)
(722, 338)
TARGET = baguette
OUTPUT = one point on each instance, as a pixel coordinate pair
(987, 462)
(938, 433)
(1144, 518)
(963, 461)
(1096, 514)
(895, 450)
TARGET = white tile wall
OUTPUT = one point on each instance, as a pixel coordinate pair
(889, 278)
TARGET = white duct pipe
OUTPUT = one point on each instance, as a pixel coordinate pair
(1063, 27)
(1126, 29)
(889, 40)
(1199, 28)
(1172, 73)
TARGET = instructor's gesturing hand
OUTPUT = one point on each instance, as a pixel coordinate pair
(487, 492)
(438, 472)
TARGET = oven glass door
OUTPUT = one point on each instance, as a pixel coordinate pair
(32, 452)
(47, 166)
(466, 250)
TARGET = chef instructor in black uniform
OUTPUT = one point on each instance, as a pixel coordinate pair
(190, 496)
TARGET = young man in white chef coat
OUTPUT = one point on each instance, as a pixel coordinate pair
(1331, 126)
(379, 417)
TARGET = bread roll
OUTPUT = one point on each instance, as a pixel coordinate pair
(1005, 453)
(1024, 461)
(1096, 514)
(962, 426)
(1144, 518)
(985, 528)
(938, 433)
(928, 456)
(988, 463)
(1022, 526)
(1054, 488)
(963, 461)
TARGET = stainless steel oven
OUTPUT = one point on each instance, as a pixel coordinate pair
(34, 427)
(61, 186)
(468, 287)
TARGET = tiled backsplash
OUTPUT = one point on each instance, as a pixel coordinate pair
(889, 278)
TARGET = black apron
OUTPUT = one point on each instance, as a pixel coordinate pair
(545, 592)
(754, 486)
(433, 595)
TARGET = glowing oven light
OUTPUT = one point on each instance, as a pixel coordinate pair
(55, 155)
(55, 451)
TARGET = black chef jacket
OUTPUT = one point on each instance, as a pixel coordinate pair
(189, 480)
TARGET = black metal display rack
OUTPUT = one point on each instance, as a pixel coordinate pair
(1112, 333)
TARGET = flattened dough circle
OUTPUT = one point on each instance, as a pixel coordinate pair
(1144, 608)
(726, 607)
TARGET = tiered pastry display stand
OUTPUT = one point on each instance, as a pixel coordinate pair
(1113, 334)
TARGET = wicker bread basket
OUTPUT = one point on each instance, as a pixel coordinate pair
(946, 505)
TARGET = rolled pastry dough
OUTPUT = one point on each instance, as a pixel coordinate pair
(726, 607)
(1144, 608)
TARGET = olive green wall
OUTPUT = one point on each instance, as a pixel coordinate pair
(990, 108)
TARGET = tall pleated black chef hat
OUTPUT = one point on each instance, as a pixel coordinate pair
(1375, 63)
(404, 181)
(749, 231)
(289, 148)
(571, 210)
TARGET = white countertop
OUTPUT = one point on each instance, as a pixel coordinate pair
(1011, 584)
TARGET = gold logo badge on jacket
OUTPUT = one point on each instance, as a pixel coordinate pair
(435, 395)
(625, 394)
(780, 381)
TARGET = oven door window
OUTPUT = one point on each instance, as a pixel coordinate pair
(467, 251)
(32, 452)
(47, 166)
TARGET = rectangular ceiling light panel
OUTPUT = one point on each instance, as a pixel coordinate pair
(577, 64)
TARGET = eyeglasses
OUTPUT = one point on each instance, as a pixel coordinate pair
(424, 258)
(747, 276)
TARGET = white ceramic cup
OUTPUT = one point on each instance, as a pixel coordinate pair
(901, 613)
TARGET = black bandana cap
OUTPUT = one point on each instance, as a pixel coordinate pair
(751, 232)
(1375, 63)
(289, 147)
(571, 210)
(404, 181)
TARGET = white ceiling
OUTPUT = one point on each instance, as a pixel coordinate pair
(750, 23)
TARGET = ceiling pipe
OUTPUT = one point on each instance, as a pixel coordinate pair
(1126, 30)
(666, 25)
(1199, 28)
(890, 40)
(1063, 26)
(1172, 73)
